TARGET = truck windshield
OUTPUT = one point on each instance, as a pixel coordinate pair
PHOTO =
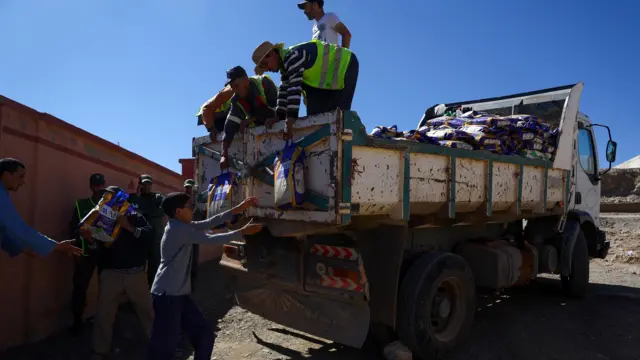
(549, 111)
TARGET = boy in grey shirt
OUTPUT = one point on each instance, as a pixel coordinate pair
(175, 310)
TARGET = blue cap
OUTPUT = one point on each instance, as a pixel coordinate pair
(235, 73)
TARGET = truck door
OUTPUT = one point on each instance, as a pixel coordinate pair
(587, 192)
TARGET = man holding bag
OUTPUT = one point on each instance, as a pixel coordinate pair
(122, 263)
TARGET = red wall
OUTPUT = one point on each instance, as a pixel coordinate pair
(36, 293)
(188, 167)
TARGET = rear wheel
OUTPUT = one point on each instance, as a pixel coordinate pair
(436, 304)
(575, 285)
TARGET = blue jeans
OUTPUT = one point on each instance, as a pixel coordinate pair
(174, 314)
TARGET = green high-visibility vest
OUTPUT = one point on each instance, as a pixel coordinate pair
(330, 67)
(83, 207)
(257, 80)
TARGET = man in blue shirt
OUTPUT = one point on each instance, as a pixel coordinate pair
(15, 235)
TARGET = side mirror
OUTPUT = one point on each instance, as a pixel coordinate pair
(612, 147)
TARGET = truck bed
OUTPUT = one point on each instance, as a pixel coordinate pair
(350, 176)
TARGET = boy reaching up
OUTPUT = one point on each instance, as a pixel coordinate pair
(175, 310)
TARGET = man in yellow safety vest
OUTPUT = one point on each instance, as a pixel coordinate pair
(252, 104)
(328, 74)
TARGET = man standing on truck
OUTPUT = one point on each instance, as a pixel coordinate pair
(85, 264)
(149, 205)
(327, 73)
(16, 236)
(252, 104)
(327, 26)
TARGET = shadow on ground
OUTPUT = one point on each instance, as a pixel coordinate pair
(212, 294)
(533, 322)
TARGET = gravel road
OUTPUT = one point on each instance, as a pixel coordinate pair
(531, 322)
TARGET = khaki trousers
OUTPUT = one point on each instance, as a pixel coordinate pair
(113, 285)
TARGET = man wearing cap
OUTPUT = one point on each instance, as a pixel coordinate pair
(122, 273)
(326, 72)
(252, 104)
(327, 26)
(213, 114)
(149, 205)
(85, 264)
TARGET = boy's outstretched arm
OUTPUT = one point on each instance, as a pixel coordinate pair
(225, 216)
(201, 238)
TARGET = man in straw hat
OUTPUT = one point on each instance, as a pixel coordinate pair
(328, 74)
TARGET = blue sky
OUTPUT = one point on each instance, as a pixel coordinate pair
(136, 72)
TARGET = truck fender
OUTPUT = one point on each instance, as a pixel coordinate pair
(576, 221)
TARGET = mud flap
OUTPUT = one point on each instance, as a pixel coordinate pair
(345, 322)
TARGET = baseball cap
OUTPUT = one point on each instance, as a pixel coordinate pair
(235, 73)
(302, 4)
(96, 179)
(144, 178)
(189, 182)
(114, 189)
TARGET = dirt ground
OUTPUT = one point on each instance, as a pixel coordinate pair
(623, 230)
(531, 322)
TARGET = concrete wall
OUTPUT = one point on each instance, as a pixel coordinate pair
(36, 293)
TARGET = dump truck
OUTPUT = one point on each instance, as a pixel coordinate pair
(395, 236)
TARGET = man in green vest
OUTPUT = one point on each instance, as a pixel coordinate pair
(327, 73)
(214, 112)
(148, 204)
(252, 104)
(85, 264)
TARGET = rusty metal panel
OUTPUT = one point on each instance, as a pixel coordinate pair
(504, 186)
(320, 168)
(555, 187)
(429, 183)
(470, 184)
(532, 187)
(35, 301)
(375, 176)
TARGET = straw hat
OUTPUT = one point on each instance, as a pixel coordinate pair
(261, 51)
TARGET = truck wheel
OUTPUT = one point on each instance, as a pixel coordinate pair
(575, 285)
(436, 304)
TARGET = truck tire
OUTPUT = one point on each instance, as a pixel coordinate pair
(436, 304)
(575, 285)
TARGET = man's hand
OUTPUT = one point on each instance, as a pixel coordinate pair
(124, 223)
(224, 162)
(288, 131)
(244, 205)
(86, 233)
(251, 228)
(67, 247)
(270, 121)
